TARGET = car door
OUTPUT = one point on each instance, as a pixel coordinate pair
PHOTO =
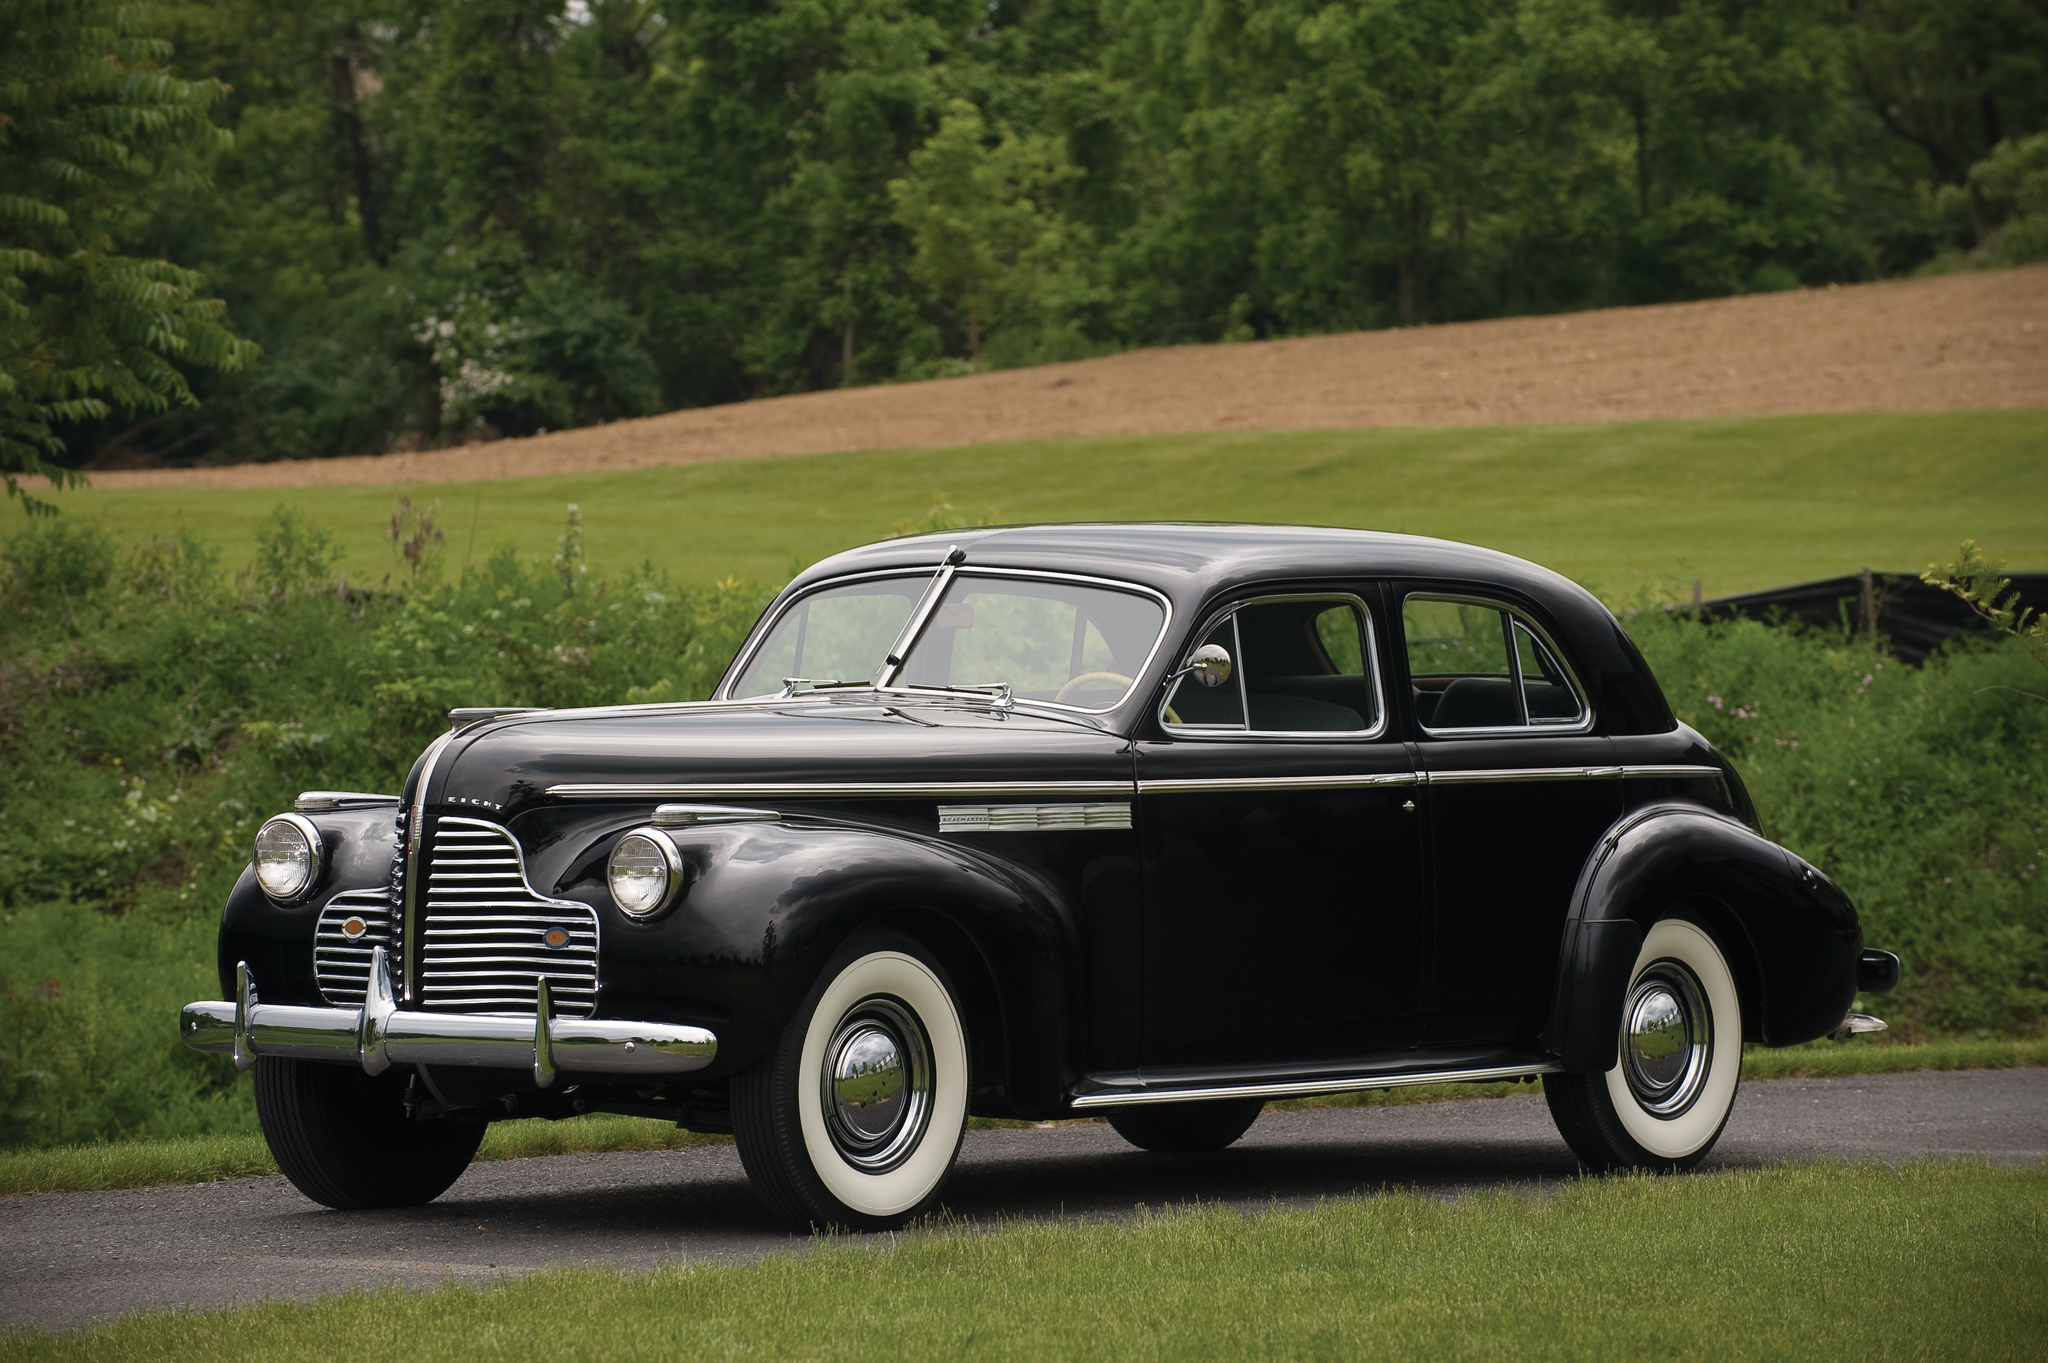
(1282, 857)
(1520, 789)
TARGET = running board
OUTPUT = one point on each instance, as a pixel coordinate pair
(1311, 1088)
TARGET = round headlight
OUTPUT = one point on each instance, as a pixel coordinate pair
(287, 856)
(644, 872)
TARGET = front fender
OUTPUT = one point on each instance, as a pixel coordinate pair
(767, 905)
(1790, 936)
(277, 939)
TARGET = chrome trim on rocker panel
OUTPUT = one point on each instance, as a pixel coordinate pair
(874, 790)
(1303, 1088)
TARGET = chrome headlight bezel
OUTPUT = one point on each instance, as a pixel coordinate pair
(670, 857)
(315, 858)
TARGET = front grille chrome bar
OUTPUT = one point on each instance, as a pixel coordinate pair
(380, 1034)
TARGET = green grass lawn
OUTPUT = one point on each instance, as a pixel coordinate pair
(207, 1159)
(1740, 503)
(1794, 1262)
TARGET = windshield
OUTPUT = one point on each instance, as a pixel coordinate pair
(839, 634)
(1069, 643)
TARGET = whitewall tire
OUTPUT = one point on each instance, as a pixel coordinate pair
(856, 1117)
(1679, 1061)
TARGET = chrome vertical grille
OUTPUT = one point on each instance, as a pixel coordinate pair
(484, 933)
(341, 963)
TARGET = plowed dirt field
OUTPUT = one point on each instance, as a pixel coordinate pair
(1951, 343)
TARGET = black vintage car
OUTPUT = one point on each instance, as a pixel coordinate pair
(1156, 822)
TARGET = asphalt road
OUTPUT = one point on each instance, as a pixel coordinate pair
(69, 1258)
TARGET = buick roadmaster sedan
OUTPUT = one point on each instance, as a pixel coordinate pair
(1155, 822)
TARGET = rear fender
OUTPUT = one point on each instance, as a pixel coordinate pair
(1790, 936)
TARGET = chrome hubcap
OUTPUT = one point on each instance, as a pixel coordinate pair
(877, 1085)
(1667, 1039)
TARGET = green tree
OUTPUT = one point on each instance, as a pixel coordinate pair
(92, 123)
(987, 240)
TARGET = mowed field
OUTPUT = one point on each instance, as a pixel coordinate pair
(1738, 502)
(1747, 442)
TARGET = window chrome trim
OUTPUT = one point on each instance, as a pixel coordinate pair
(740, 665)
(1218, 731)
(1584, 724)
(1302, 1088)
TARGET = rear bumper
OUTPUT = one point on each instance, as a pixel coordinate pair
(380, 1034)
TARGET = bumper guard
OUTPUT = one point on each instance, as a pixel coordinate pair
(380, 1034)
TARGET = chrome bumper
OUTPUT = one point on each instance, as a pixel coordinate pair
(380, 1034)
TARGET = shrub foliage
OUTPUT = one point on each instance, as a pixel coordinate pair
(153, 710)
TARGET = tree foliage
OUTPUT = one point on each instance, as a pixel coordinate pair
(91, 125)
(452, 219)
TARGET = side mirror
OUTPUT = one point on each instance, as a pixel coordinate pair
(1209, 665)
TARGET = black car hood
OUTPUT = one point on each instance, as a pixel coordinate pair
(546, 756)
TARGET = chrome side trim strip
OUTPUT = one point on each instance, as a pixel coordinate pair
(801, 790)
(1204, 785)
(912, 790)
(1026, 818)
(1304, 1088)
(1503, 774)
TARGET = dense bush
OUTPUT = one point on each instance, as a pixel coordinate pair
(1922, 791)
(152, 712)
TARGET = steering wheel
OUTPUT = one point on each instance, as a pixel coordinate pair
(1078, 682)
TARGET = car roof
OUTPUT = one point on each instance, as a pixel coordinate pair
(1194, 562)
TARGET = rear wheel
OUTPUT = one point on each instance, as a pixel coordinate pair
(1668, 1097)
(1186, 1127)
(856, 1116)
(344, 1139)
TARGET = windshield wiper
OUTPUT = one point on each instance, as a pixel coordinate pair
(790, 685)
(999, 692)
(914, 626)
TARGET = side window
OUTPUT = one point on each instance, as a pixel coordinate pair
(1301, 665)
(1476, 666)
(1545, 688)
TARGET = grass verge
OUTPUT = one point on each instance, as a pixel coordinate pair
(1793, 1262)
(1741, 502)
(208, 1159)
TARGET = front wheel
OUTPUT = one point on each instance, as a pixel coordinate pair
(856, 1116)
(345, 1140)
(1668, 1097)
